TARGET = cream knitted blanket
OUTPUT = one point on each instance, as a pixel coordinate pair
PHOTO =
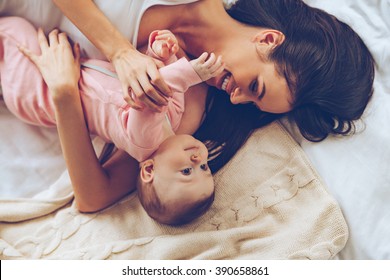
(270, 204)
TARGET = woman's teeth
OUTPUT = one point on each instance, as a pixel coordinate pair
(225, 82)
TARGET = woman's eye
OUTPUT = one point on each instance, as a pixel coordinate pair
(204, 167)
(254, 86)
(186, 171)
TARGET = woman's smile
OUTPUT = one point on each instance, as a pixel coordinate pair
(226, 83)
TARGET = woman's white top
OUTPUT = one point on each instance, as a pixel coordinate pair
(124, 14)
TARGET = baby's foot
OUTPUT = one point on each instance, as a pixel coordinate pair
(165, 44)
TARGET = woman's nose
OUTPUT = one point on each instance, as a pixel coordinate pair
(240, 97)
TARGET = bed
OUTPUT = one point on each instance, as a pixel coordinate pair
(280, 197)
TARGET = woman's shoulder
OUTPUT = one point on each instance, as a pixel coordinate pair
(157, 15)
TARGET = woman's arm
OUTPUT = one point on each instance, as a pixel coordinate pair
(94, 187)
(95, 26)
(135, 70)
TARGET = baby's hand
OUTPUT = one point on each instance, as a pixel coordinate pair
(165, 44)
(209, 67)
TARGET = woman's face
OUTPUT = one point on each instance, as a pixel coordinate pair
(251, 78)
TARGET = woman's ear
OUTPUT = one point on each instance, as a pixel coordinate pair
(269, 38)
(147, 171)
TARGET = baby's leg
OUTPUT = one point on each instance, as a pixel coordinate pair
(24, 91)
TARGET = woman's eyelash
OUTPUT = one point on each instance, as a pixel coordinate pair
(254, 86)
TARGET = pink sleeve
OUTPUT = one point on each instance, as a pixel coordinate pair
(144, 133)
(145, 128)
(179, 77)
(139, 133)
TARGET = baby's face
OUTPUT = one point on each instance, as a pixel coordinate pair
(181, 173)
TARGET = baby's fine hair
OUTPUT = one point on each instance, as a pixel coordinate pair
(158, 211)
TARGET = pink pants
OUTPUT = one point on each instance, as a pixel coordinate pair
(24, 90)
(20, 82)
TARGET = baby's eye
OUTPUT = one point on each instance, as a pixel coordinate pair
(186, 171)
(204, 167)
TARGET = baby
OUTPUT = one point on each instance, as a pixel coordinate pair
(175, 185)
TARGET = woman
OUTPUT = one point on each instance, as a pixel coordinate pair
(305, 61)
(285, 57)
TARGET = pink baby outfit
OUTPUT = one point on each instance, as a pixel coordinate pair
(107, 114)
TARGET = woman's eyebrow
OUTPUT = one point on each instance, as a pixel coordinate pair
(262, 93)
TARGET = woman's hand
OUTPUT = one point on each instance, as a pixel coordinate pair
(58, 64)
(141, 81)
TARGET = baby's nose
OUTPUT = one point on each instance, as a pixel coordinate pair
(196, 157)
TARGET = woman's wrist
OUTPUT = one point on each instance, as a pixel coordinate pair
(119, 53)
(66, 93)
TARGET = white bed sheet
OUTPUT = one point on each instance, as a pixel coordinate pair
(356, 169)
(30, 157)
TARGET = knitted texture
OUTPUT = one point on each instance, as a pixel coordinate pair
(270, 204)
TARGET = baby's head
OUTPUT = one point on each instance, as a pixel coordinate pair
(175, 185)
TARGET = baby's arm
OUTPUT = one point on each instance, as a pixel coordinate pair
(207, 66)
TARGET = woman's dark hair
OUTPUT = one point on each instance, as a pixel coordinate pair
(226, 126)
(329, 69)
(327, 66)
